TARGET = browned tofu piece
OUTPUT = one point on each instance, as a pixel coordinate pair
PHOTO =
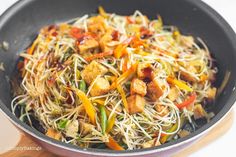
(199, 112)
(188, 77)
(85, 128)
(138, 87)
(154, 90)
(88, 45)
(211, 94)
(136, 104)
(145, 71)
(183, 133)
(162, 110)
(101, 86)
(92, 70)
(151, 143)
(173, 94)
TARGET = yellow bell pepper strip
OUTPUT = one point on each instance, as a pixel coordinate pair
(123, 96)
(102, 12)
(99, 55)
(110, 123)
(112, 144)
(124, 76)
(182, 85)
(103, 118)
(187, 102)
(89, 108)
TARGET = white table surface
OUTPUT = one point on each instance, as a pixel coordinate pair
(225, 145)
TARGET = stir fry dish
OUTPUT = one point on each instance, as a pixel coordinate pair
(115, 82)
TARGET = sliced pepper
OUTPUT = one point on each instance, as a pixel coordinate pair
(123, 97)
(89, 108)
(182, 85)
(187, 102)
(110, 123)
(124, 76)
(113, 144)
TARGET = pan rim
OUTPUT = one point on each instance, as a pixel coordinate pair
(100, 152)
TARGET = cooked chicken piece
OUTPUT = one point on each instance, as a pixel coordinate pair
(72, 128)
(138, 87)
(92, 70)
(101, 86)
(151, 143)
(145, 71)
(162, 110)
(183, 133)
(173, 94)
(199, 112)
(85, 128)
(88, 45)
(154, 90)
(211, 94)
(186, 41)
(136, 104)
(188, 77)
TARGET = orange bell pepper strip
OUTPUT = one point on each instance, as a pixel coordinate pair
(124, 76)
(187, 102)
(89, 108)
(113, 144)
(99, 55)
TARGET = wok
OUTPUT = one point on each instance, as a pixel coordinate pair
(20, 24)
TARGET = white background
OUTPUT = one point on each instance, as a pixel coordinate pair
(225, 145)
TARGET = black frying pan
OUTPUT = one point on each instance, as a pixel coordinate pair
(20, 24)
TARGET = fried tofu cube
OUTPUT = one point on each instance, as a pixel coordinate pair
(183, 133)
(101, 86)
(173, 94)
(136, 104)
(138, 87)
(145, 71)
(85, 128)
(199, 112)
(105, 39)
(211, 94)
(154, 90)
(88, 45)
(92, 70)
(162, 110)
